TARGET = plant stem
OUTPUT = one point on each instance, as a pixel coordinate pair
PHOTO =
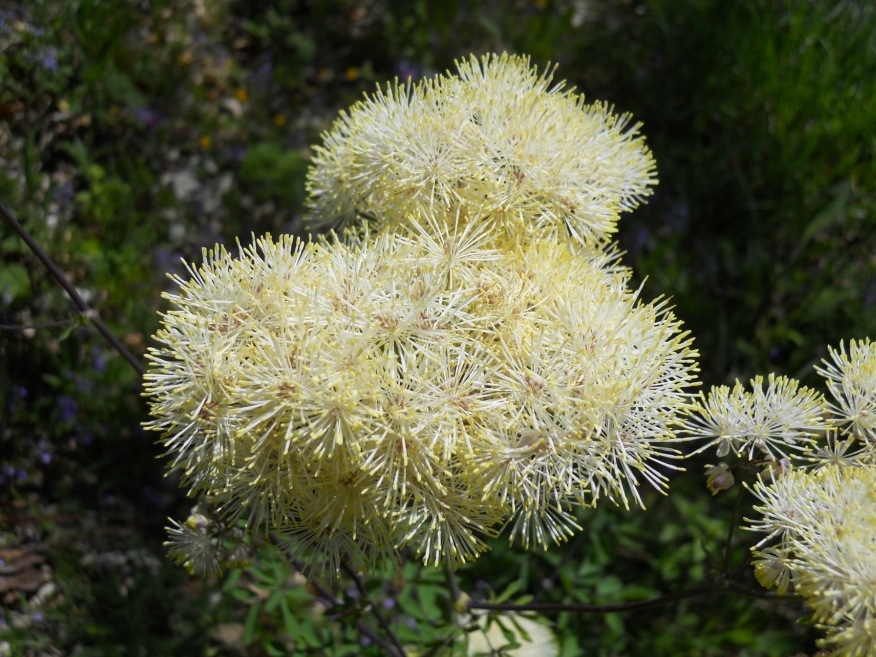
(360, 586)
(329, 597)
(89, 313)
(730, 530)
(453, 585)
(635, 605)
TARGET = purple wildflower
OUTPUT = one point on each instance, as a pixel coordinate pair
(98, 361)
(409, 70)
(63, 194)
(148, 117)
(67, 407)
(47, 58)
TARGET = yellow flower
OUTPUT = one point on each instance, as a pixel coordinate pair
(719, 477)
(499, 142)
(825, 522)
(416, 389)
(768, 422)
(770, 570)
(470, 358)
(851, 379)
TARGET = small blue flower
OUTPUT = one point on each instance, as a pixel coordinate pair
(47, 58)
(154, 498)
(45, 451)
(409, 70)
(67, 407)
(98, 361)
(260, 79)
(63, 194)
(148, 117)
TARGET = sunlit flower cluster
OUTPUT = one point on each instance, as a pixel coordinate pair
(771, 420)
(825, 522)
(778, 420)
(467, 362)
(499, 142)
(414, 392)
(851, 379)
(818, 498)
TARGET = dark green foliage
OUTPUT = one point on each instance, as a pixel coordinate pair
(272, 171)
(761, 116)
(134, 133)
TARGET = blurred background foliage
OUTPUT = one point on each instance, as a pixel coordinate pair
(136, 132)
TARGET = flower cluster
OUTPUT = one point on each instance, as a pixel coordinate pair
(851, 379)
(455, 368)
(826, 523)
(820, 511)
(768, 422)
(498, 143)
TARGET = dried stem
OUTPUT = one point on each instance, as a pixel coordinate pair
(390, 648)
(635, 605)
(87, 312)
(360, 586)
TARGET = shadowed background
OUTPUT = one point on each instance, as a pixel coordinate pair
(135, 133)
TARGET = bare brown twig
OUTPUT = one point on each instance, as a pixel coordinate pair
(87, 312)
(360, 586)
(390, 648)
(721, 587)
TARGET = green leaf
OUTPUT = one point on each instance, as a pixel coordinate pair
(615, 623)
(290, 623)
(508, 633)
(249, 625)
(428, 597)
(832, 212)
(512, 588)
(273, 600)
(14, 282)
(308, 634)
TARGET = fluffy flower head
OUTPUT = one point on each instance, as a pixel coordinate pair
(776, 417)
(475, 360)
(498, 142)
(414, 392)
(825, 522)
(851, 379)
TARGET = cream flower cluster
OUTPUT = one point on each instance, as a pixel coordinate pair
(498, 142)
(456, 369)
(819, 513)
(826, 523)
(774, 419)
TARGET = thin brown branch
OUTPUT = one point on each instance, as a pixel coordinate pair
(635, 605)
(360, 586)
(327, 596)
(87, 312)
